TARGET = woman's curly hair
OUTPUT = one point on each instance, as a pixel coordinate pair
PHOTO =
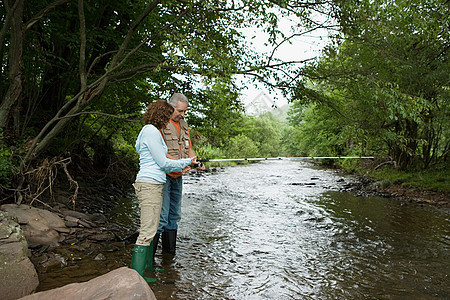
(158, 113)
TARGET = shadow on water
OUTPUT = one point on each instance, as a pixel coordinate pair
(284, 230)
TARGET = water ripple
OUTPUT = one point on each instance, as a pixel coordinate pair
(282, 230)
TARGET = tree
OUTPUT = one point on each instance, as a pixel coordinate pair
(64, 60)
(265, 132)
(387, 75)
(217, 113)
(241, 146)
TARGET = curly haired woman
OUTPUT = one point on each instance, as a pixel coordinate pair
(153, 166)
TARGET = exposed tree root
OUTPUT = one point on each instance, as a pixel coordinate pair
(41, 181)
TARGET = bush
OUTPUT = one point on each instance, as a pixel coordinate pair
(242, 146)
(7, 166)
(208, 151)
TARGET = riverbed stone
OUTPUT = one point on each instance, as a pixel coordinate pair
(105, 236)
(122, 283)
(40, 226)
(18, 276)
(75, 214)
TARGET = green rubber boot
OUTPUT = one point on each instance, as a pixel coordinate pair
(139, 261)
(151, 265)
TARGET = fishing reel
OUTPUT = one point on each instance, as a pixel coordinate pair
(200, 163)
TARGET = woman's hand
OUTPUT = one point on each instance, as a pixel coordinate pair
(193, 162)
(198, 165)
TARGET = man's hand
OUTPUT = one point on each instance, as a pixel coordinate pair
(186, 169)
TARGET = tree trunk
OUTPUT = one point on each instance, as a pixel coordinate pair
(14, 92)
(87, 93)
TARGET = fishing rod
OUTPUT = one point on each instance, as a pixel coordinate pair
(284, 158)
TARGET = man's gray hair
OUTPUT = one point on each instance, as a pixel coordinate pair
(178, 97)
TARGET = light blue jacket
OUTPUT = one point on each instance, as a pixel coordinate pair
(152, 151)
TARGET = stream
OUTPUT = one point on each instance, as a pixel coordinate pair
(285, 230)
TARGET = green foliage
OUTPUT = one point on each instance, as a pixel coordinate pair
(85, 71)
(217, 122)
(127, 152)
(245, 138)
(431, 179)
(241, 146)
(383, 85)
(264, 131)
(215, 113)
(7, 163)
(382, 88)
(208, 151)
(323, 133)
(289, 141)
(169, 41)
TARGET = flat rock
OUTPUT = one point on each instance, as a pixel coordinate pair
(75, 214)
(17, 274)
(106, 236)
(122, 283)
(39, 226)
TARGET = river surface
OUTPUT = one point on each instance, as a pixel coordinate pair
(284, 230)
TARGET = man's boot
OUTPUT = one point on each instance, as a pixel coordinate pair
(155, 244)
(169, 241)
(139, 261)
(151, 264)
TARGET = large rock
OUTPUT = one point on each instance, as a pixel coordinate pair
(40, 226)
(18, 276)
(122, 283)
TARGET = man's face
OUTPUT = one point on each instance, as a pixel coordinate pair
(179, 111)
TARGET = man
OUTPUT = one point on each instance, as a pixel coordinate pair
(177, 138)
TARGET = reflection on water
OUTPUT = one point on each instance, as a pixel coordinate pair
(282, 230)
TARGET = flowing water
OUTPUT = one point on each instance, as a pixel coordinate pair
(283, 230)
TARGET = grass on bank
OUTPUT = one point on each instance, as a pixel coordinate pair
(433, 179)
(436, 179)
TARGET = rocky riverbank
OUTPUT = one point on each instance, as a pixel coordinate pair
(55, 240)
(365, 187)
(18, 276)
(68, 242)
(70, 239)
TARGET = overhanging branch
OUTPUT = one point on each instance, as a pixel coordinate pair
(42, 13)
(99, 113)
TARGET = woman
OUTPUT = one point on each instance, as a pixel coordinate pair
(153, 166)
